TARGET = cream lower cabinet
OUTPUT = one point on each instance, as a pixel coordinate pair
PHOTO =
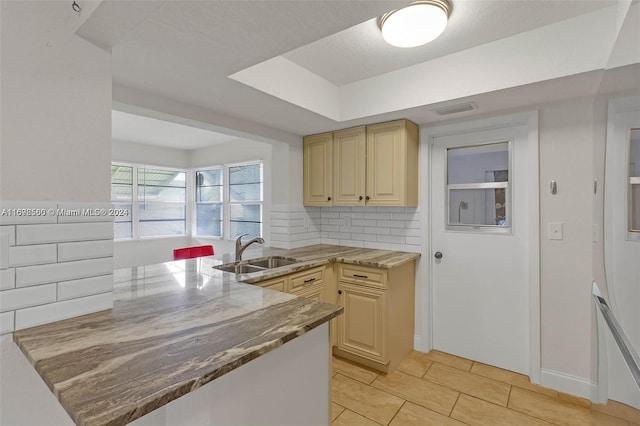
(377, 326)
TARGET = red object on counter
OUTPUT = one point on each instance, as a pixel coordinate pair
(191, 252)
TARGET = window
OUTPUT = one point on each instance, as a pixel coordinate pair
(634, 181)
(229, 201)
(162, 197)
(155, 198)
(478, 192)
(245, 200)
(122, 198)
(209, 203)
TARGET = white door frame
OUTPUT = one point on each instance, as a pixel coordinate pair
(427, 135)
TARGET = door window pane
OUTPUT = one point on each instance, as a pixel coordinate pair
(478, 186)
(477, 207)
(478, 164)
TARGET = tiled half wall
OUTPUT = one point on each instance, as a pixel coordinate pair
(387, 228)
(56, 262)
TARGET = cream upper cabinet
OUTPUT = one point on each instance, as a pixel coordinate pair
(376, 165)
(318, 169)
(392, 164)
(349, 167)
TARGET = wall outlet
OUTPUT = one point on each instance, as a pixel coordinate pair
(555, 231)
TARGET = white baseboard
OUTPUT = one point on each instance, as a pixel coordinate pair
(567, 383)
(420, 345)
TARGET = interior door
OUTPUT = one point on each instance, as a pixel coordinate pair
(480, 246)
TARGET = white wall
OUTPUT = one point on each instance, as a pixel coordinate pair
(566, 156)
(55, 152)
(137, 153)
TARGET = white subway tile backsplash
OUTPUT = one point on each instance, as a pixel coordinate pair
(330, 241)
(4, 251)
(391, 239)
(414, 241)
(84, 212)
(404, 216)
(67, 232)
(378, 231)
(352, 243)
(33, 275)
(280, 222)
(7, 278)
(376, 245)
(27, 212)
(85, 250)
(11, 232)
(85, 287)
(329, 215)
(363, 222)
(378, 216)
(43, 314)
(392, 209)
(331, 228)
(364, 237)
(339, 235)
(32, 255)
(391, 223)
(28, 296)
(413, 224)
(352, 229)
(7, 322)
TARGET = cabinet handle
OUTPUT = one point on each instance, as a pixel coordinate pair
(367, 198)
(328, 198)
(310, 280)
(360, 276)
(360, 198)
(339, 291)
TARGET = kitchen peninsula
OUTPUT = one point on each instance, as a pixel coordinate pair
(183, 328)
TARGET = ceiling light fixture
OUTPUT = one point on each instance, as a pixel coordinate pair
(415, 24)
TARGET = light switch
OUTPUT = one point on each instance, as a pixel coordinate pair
(555, 231)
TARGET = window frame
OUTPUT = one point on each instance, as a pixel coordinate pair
(135, 203)
(507, 186)
(632, 181)
(226, 199)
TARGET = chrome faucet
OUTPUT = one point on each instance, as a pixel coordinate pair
(240, 248)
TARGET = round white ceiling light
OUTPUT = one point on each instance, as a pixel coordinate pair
(415, 24)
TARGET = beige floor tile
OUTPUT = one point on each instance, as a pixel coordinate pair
(349, 418)
(511, 378)
(477, 412)
(336, 410)
(416, 364)
(481, 387)
(572, 399)
(364, 400)
(414, 415)
(557, 411)
(617, 409)
(419, 391)
(349, 369)
(450, 360)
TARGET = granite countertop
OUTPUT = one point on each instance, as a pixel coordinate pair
(312, 256)
(175, 327)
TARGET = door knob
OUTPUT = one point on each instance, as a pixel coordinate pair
(438, 255)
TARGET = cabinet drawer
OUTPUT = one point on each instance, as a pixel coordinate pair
(306, 279)
(275, 284)
(364, 275)
(312, 292)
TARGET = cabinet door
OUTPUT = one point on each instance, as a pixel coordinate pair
(362, 329)
(318, 170)
(349, 167)
(392, 164)
(274, 285)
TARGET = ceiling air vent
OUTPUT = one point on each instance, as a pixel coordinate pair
(454, 109)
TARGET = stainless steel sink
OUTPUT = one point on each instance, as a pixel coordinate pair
(256, 265)
(239, 268)
(272, 262)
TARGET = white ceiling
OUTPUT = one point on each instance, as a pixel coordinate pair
(182, 53)
(150, 131)
(360, 52)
